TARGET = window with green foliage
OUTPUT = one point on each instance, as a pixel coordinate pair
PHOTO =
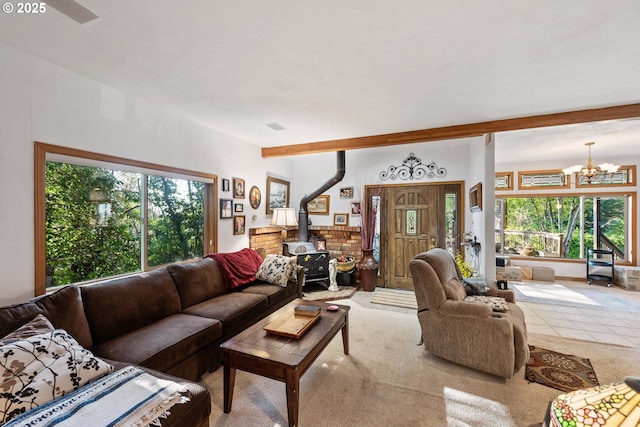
(559, 226)
(103, 219)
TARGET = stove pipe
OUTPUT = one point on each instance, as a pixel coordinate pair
(303, 215)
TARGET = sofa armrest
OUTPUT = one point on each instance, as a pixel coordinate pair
(465, 309)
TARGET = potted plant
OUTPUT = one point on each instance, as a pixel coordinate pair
(368, 266)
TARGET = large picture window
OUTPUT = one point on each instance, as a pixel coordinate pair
(564, 226)
(98, 216)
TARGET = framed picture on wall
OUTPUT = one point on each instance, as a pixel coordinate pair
(475, 198)
(238, 224)
(341, 219)
(255, 197)
(238, 188)
(277, 194)
(226, 208)
(346, 193)
(356, 208)
(238, 207)
(321, 244)
(319, 205)
(225, 184)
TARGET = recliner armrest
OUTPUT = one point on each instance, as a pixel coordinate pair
(508, 294)
(465, 309)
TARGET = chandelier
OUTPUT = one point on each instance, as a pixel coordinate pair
(590, 172)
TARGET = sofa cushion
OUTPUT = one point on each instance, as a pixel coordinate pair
(122, 305)
(63, 308)
(39, 325)
(277, 269)
(40, 368)
(275, 294)
(162, 344)
(235, 310)
(197, 281)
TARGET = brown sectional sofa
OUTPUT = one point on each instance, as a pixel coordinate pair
(170, 321)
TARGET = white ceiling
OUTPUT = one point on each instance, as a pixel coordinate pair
(333, 69)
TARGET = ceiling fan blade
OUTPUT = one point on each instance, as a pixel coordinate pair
(73, 10)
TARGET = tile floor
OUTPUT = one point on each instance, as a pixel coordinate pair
(589, 324)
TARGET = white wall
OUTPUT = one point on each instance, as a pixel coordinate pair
(363, 167)
(42, 102)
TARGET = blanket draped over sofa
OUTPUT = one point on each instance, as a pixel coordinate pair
(238, 268)
(127, 397)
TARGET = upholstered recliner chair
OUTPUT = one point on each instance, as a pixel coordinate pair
(469, 333)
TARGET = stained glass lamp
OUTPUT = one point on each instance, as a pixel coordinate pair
(611, 405)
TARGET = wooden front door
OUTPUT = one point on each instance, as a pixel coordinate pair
(416, 218)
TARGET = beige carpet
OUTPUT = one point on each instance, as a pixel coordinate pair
(395, 297)
(388, 380)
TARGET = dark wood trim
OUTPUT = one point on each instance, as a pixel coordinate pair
(458, 131)
(39, 219)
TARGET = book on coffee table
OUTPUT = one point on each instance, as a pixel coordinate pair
(291, 325)
(307, 310)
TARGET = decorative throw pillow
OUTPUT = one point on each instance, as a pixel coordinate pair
(39, 325)
(277, 269)
(497, 304)
(475, 285)
(454, 290)
(40, 368)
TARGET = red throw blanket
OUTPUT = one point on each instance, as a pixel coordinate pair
(238, 268)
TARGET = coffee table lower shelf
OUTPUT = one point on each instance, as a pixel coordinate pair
(282, 358)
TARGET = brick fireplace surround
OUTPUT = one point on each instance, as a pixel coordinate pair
(341, 240)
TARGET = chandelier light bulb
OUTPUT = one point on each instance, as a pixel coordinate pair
(590, 172)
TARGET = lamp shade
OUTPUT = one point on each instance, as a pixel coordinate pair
(284, 217)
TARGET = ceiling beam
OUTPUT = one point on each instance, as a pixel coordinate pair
(457, 131)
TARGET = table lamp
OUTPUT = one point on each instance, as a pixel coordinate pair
(284, 217)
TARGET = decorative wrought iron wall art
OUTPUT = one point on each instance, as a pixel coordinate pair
(413, 168)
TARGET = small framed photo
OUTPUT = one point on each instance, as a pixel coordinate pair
(346, 193)
(225, 184)
(238, 207)
(255, 197)
(341, 219)
(238, 188)
(356, 208)
(238, 224)
(226, 210)
(321, 244)
(319, 205)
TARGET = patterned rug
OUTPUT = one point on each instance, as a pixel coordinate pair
(561, 371)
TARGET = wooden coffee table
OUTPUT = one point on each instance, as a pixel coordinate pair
(281, 358)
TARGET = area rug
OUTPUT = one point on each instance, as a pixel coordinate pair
(323, 294)
(561, 371)
(395, 297)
